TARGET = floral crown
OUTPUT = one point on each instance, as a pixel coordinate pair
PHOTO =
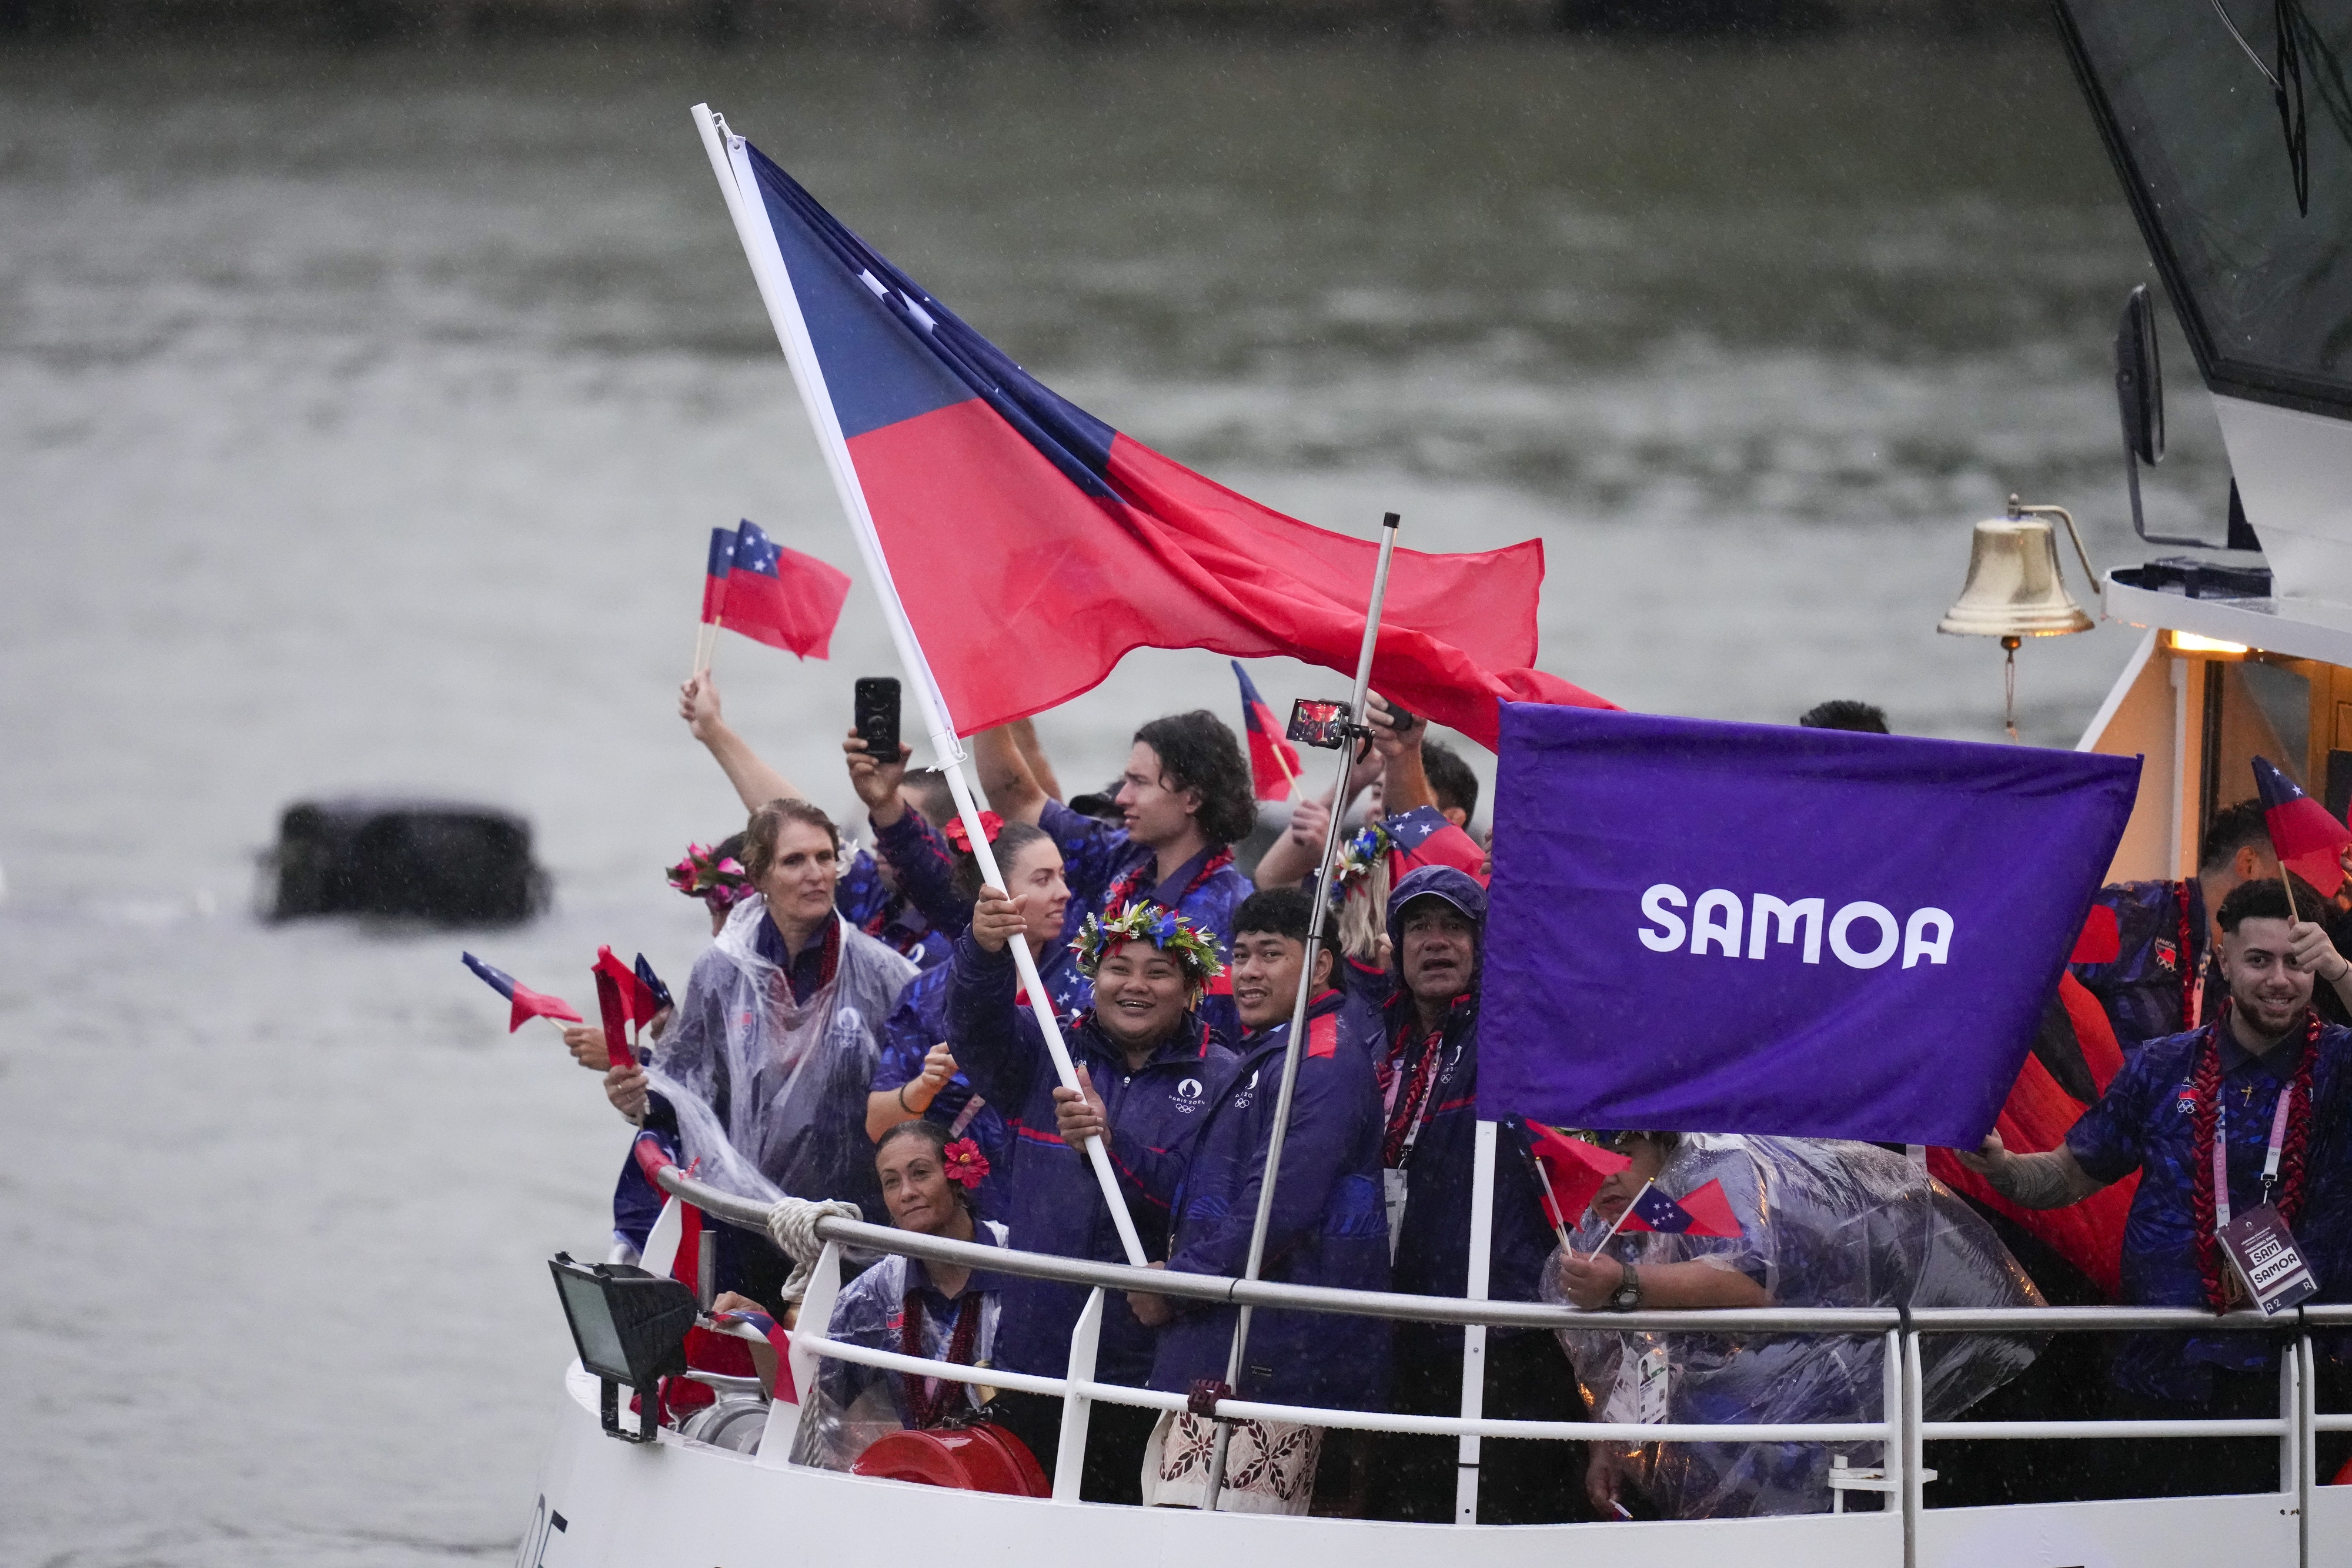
(1360, 853)
(961, 837)
(1194, 950)
(720, 880)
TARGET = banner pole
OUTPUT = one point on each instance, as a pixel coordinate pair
(739, 188)
(1358, 701)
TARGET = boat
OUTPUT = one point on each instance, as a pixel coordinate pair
(2246, 650)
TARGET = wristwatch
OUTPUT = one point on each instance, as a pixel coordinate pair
(1628, 1293)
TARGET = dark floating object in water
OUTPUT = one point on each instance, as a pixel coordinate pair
(429, 860)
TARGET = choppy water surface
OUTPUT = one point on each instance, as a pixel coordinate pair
(360, 419)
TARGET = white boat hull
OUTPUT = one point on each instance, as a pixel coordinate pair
(676, 1504)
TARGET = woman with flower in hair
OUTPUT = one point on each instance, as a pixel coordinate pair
(917, 1075)
(1157, 1066)
(937, 1310)
(763, 1078)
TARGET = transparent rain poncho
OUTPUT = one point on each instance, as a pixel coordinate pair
(1827, 1225)
(769, 1093)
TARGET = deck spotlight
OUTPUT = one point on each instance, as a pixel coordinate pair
(2015, 590)
(629, 1327)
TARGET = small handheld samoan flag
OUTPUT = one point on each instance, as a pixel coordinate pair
(775, 595)
(1274, 761)
(1706, 1212)
(527, 1003)
(1712, 927)
(637, 997)
(1572, 1171)
(2306, 840)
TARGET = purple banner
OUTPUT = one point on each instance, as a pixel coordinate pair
(1751, 928)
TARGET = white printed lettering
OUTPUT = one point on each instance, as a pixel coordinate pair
(1890, 931)
(1916, 942)
(1769, 909)
(1716, 901)
(1668, 936)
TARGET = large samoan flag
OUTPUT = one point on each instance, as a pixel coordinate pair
(1032, 545)
(1716, 928)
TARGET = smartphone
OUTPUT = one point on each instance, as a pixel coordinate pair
(877, 716)
(1322, 725)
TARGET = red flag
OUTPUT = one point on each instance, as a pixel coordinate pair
(779, 596)
(636, 996)
(2306, 840)
(616, 1014)
(1032, 545)
(1274, 761)
(1572, 1170)
(1706, 1212)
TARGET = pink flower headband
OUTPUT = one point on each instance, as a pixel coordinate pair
(720, 880)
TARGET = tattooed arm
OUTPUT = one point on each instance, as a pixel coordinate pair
(2032, 1181)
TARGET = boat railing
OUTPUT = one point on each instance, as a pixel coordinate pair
(1902, 1424)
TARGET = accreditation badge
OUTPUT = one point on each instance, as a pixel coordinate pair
(1639, 1394)
(2269, 1266)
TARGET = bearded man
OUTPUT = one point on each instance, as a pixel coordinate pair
(2268, 1083)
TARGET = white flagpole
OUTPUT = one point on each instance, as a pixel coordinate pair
(740, 187)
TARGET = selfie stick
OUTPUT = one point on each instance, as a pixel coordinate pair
(1292, 1047)
(740, 188)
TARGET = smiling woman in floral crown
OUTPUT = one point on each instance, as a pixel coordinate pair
(1145, 1051)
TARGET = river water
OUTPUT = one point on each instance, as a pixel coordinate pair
(362, 418)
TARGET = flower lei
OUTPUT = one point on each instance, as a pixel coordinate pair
(720, 880)
(2191, 969)
(1194, 950)
(1360, 853)
(960, 836)
(964, 1164)
(2205, 1090)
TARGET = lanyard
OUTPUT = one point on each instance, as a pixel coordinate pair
(2221, 1150)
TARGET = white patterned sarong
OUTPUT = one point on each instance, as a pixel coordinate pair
(1269, 1465)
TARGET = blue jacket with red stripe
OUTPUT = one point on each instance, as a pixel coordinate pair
(1052, 1201)
(1329, 1226)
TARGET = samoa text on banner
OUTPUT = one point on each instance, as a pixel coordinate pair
(1713, 928)
(1032, 545)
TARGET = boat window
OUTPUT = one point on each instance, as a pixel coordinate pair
(2242, 188)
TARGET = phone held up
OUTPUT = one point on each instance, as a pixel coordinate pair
(876, 700)
(1319, 724)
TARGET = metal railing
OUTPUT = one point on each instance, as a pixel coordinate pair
(1903, 1424)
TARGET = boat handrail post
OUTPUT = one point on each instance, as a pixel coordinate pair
(1474, 1335)
(803, 1365)
(1910, 1383)
(1077, 1410)
(2305, 1439)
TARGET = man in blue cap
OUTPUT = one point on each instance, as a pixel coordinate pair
(1427, 1065)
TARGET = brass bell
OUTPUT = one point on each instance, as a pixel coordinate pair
(2015, 590)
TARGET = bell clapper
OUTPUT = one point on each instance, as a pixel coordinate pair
(2009, 683)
